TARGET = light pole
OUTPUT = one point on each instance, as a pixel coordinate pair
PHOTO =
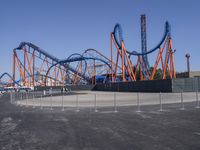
(188, 62)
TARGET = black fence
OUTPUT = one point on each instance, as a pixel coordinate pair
(169, 85)
(80, 87)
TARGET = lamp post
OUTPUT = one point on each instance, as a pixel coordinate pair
(188, 62)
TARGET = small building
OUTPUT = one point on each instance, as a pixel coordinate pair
(191, 74)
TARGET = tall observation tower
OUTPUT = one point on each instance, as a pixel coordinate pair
(144, 40)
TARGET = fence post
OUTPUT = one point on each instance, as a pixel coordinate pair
(182, 102)
(115, 103)
(11, 97)
(197, 99)
(63, 108)
(33, 99)
(95, 103)
(17, 102)
(26, 99)
(20, 99)
(41, 101)
(77, 104)
(15, 98)
(160, 99)
(138, 102)
(51, 102)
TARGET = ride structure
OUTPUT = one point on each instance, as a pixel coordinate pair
(144, 42)
(33, 66)
(141, 69)
(7, 80)
(30, 64)
(84, 72)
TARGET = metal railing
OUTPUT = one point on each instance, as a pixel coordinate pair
(98, 100)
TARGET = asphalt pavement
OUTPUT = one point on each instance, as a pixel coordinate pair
(27, 128)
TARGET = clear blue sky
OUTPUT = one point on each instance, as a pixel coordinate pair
(63, 27)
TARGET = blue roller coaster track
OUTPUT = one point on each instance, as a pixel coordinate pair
(22, 44)
(118, 36)
(43, 52)
(80, 57)
(55, 61)
(9, 76)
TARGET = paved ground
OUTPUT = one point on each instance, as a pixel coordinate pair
(24, 128)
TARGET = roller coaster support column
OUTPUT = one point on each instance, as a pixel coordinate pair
(112, 71)
(24, 71)
(128, 65)
(33, 67)
(158, 59)
(94, 74)
(169, 57)
(123, 64)
(14, 67)
(168, 63)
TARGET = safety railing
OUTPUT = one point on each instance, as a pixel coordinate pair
(99, 100)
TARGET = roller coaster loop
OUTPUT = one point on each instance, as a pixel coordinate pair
(128, 71)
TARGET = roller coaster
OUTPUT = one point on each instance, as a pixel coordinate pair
(33, 66)
(129, 71)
